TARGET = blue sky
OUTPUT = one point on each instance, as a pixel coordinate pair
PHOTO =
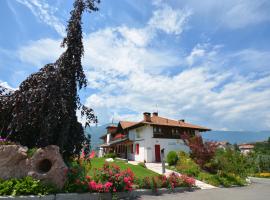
(204, 61)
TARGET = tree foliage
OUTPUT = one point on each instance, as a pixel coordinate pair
(43, 110)
(201, 152)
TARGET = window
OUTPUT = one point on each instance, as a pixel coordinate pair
(138, 135)
(137, 149)
(157, 129)
(131, 148)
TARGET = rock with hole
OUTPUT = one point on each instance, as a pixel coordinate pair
(46, 164)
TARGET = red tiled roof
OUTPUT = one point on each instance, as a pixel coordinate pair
(246, 146)
(118, 136)
(126, 124)
(157, 120)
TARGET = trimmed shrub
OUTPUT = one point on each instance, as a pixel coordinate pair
(172, 158)
(186, 165)
(110, 155)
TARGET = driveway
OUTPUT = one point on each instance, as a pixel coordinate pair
(258, 190)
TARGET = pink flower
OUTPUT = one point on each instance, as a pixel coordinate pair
(92, 185)
(99, 187)
(126, 179)
(108, 184)
(82, 155)
(92, 155)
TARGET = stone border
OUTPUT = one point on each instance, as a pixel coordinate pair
(99, 196)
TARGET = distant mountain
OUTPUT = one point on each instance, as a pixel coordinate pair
(236, 136)
(96, 132)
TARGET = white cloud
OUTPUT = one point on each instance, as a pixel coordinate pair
(252, 59)
(40, 52)
(7, 86)
(243, 13)
(232, 14)
(45, 13)
(169, 20)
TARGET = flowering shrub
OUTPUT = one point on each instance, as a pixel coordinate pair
(172, 181)
(110, 173)
(4, 141)
(109, 178)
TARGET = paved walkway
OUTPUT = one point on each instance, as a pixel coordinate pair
(258, 190)
(157, 167)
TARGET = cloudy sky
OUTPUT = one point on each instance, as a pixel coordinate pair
(207, 62)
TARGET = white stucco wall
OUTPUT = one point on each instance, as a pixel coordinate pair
(147, 144)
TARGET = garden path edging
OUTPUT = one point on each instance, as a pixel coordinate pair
(98, 196)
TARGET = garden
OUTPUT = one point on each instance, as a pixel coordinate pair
(88, 173)
(221, 167)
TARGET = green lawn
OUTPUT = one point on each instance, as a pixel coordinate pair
(139, 171)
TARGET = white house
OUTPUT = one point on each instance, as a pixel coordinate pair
(143, 141)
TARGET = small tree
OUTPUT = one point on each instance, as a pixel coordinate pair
(201, 152)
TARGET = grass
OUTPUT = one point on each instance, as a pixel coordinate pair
(139, 171)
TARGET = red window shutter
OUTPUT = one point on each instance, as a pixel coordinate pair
(131, 148)
(137, 148)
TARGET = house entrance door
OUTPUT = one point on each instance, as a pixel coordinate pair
(157, 152)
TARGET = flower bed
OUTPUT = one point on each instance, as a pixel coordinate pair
(170, 182)
(110, 178)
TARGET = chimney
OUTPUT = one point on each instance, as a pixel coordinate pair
(181, 120)
(147, 116)
(155, 114)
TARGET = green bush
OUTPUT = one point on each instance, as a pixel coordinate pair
(110, 155)
(172, 158)
(221, 179)
(211, 179)
(24, 186)
(230, 179)
(231, 161)
(186, 165)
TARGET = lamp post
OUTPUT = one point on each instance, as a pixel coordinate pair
(163, 161)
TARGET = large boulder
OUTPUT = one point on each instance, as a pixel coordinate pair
(13, 161)
(46, 164)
